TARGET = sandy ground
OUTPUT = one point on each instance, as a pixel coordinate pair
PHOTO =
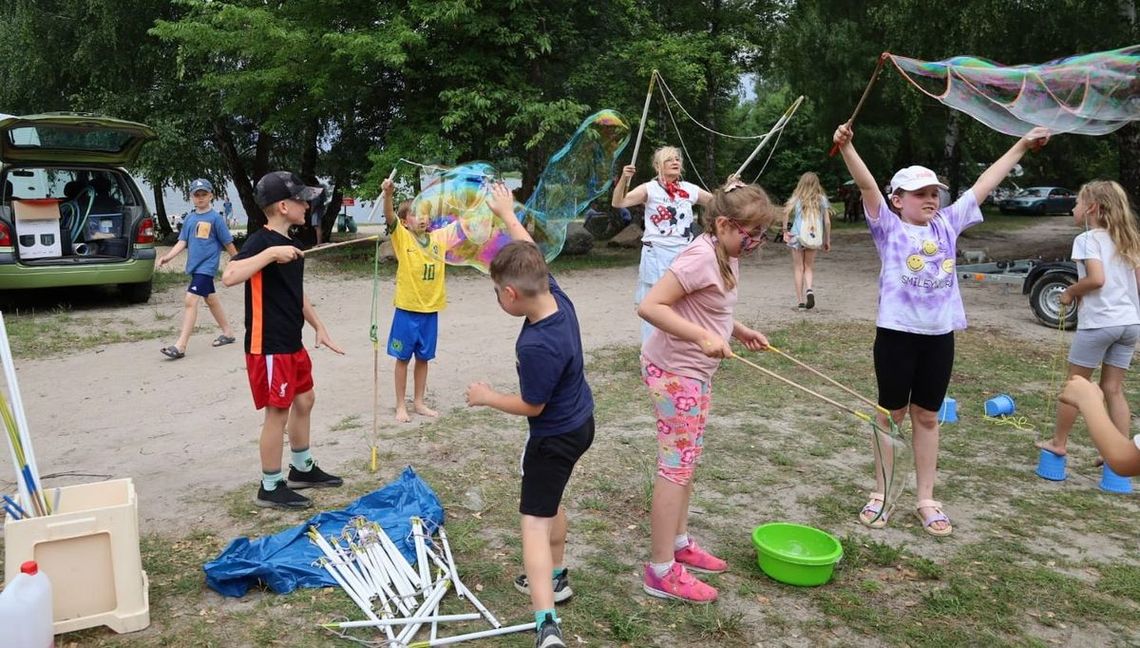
(186, 430)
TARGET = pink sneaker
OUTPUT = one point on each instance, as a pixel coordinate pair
(699, 560)
(677, 584)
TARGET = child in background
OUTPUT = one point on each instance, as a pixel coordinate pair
(920, 306)
(1120, 454)
(1107, 255)
(691, 308)
(204, 234)
(276, 308)
(668, 217)
(810, 230)
(421, 293)
(557, 402)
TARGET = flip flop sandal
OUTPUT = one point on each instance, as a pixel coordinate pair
(173, 353)
(870, 517)
(937, 517)
(223, 340)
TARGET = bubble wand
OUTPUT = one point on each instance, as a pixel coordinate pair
(380, 198)
(644, 116)
(866, 91)
(772, 374)
(780, 123)
(884, 450)
(878, 408)
(329, 246)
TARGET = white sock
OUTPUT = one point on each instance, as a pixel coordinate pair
(680, 542)
(660, 569)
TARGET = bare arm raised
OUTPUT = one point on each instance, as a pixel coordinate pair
(868, 189)
(502, 203)
(992, 177)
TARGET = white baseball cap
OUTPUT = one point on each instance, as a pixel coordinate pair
(914, 177)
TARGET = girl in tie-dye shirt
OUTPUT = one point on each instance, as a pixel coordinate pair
(919, 304)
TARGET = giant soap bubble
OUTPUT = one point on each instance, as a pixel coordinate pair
(577, 174)
(1090, 94)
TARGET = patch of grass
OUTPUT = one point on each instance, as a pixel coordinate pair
(1022, 568)
(60, 330)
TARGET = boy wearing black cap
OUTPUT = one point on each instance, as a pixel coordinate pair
(272, 266)
(204, 234)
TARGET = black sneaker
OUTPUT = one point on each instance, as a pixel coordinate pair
(312, 478)
(549, 635)
(810, 300)
(281, 497)
(562, 591)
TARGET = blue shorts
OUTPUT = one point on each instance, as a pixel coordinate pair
(413, 333)
(201, 285)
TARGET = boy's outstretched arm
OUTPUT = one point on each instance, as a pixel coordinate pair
(868, 189)
(173, 252)
(387, 188)
(992, 177)
(1118, 451)
(502, 203)
(480, 393)
(242, 269)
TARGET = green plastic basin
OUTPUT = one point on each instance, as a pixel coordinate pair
(796, 554)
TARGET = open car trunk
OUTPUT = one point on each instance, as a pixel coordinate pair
(71, 216)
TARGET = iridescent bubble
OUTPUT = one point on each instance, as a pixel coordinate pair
(1089, 94)
(577, 174)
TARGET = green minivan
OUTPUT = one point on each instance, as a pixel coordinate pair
(70, 215)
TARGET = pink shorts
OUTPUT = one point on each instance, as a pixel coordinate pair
(682, 408)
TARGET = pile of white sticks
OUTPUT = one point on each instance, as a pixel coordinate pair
(395, 596)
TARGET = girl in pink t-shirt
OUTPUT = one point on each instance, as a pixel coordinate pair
(691, 310)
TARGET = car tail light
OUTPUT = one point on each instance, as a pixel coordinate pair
(5, 235)
(145, 232)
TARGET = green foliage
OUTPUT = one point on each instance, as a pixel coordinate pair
(341, 89)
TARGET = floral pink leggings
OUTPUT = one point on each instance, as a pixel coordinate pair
(682, 408)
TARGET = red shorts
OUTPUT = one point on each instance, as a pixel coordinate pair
(276, 378)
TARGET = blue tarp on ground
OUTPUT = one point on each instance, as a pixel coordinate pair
(285, 561)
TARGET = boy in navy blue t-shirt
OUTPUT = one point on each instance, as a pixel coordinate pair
(557, 403)
(204, 234)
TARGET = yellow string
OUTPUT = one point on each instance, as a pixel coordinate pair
(1017, 422)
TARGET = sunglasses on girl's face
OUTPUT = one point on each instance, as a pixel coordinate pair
(749, 243)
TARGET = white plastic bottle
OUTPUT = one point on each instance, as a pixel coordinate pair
(25, 610)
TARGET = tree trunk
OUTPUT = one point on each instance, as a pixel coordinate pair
(952, 154)
(1128, 138)
(1128, 145)
(164, 227)
(307, 233)
(224, 140)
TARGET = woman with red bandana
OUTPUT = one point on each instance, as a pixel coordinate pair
(668, 217)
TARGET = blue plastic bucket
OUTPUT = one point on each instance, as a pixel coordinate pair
(948, 413)
(1000, 405)
(1114, 483)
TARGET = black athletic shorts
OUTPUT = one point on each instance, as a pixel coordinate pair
(912, 368)
(546, 466)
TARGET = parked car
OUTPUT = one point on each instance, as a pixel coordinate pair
(69, 214)
(1040, 201)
